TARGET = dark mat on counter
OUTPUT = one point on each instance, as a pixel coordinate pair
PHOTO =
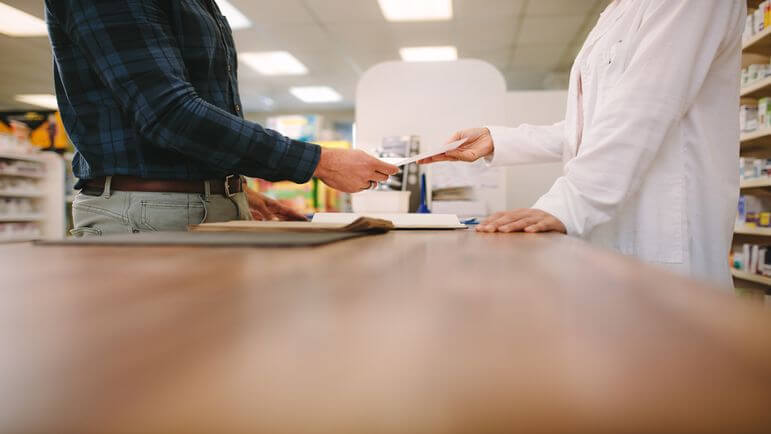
(279, 239)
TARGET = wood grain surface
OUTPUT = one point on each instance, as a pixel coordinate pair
(408, 332)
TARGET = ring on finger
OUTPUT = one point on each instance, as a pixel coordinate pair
(372, 185)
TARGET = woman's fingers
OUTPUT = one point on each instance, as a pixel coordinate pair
(517, 226)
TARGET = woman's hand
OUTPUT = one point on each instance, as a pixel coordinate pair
(264, 208)
(479, 144)
(522, 220)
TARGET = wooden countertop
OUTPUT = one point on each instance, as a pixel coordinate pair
(409, 332)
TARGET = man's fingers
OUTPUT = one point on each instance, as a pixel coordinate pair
(261, 208)
(379, 177)
(388, 169)
(257, 216)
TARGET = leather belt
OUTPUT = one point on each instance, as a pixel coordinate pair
(227, 186)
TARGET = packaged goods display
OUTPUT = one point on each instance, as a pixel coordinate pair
(10, 167)
(758, 20)
(754, 211)
(752, 258)
(748, 118)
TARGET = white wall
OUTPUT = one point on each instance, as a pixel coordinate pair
(527, 183)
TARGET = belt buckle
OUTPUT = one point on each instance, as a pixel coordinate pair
(228, 193)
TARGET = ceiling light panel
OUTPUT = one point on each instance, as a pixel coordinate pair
(316, 94)
(17, 23)
(274, 63)
(235, 17)
(41, 100)
(429, 54)
(416, 10)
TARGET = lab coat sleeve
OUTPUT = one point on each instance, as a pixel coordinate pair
(527, 144)
(670, 57)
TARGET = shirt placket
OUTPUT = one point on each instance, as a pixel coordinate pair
(230, 57)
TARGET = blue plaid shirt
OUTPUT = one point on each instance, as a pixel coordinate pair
(149, 88)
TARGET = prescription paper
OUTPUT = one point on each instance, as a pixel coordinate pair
(441, 150)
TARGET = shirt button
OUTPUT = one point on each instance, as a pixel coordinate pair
(229, 68)
(238, 108)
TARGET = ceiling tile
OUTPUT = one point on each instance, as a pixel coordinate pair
(422, 34)
(484, 35)
(346, 11)
(488, 9)
(537, 56)
(498, 58)
(549, 30)
(562, 7)
(363, 37)
(272, 12)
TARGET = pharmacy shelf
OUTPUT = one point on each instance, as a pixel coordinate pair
(756, 139)
(757, 278)
(22, 174)
(21, 218)
(759, 89)
(759, 43)
(752, 230)
(756, 183)
(21, 194)
(18, 239)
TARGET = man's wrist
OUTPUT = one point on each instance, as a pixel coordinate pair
(320, 171)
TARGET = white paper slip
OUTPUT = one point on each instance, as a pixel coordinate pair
(441, 150)
(400, 221)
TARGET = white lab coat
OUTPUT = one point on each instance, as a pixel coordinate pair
(655, 171)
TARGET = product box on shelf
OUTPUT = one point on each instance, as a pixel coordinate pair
(754, 211)
(748, 118)
(752, 258)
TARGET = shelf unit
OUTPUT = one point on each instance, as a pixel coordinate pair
(48, 196)
(757, 89)
(752, 230)
(755, 183)
(756, 49)
(749, 277)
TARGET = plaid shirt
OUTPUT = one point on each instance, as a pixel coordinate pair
(149, 88)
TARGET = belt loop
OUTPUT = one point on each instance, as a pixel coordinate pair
(107, 187)
(206, 190)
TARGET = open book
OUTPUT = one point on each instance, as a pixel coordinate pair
(359, 225)
(400, 221)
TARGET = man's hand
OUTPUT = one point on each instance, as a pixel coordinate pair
(352, 171)
(479, 144)
(522, 220)
(265, 208)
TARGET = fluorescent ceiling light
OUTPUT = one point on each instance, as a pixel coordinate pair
(14, 22)
(416, 10)
(429, 54)
(316, 94)
(40, 100)
(236, 19)
(274, 63)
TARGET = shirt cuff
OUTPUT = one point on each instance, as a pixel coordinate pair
(299, 163)
(556, 206)
(495, 134)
